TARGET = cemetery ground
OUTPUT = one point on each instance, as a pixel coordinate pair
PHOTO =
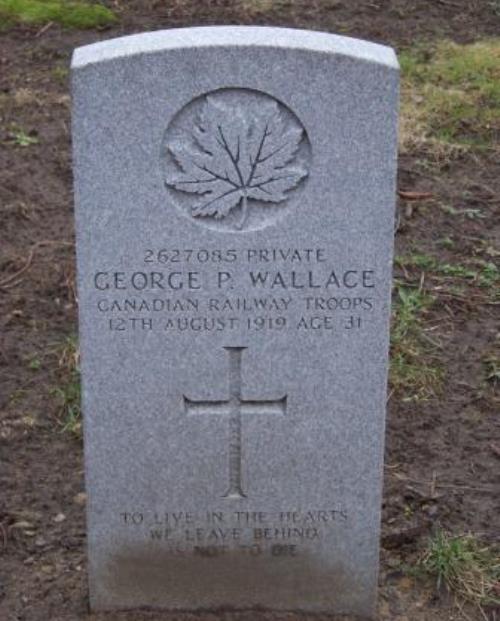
(440, 557)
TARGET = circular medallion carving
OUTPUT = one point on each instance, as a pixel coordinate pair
(235, 160)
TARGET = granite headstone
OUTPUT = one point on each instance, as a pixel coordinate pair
(234, 193)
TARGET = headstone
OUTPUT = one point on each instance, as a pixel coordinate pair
(234, 200)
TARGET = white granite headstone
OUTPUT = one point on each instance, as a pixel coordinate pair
(234, 195)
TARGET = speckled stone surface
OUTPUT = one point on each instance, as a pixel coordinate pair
(234, 192)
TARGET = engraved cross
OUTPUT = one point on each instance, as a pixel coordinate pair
(235, 407)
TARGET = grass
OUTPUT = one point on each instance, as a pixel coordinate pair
(489, 276)
(457, 271)
(492, 364)
(451, 97)
(495, 6)
(71, 14)
(446, 242)
(35, 364)
(414, 373)
(412, 368)
(61, 73)
(465, 566)
(68, 393)
(253, 7)
(21, 139)
(423, 261)
(452, 277)
(469, 213)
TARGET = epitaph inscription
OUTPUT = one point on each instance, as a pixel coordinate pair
(215, 534)
(234, 408)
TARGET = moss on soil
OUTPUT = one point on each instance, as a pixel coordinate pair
(71, 14)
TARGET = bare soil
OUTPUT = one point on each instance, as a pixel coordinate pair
(443, 454)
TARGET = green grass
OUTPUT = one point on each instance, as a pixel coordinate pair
(495, 6)
(35, 364)
(414, 373)
(489, 276)
(423, 261)
(61, 73)
(412, 369)
(469, 213)
(465, 566)
(72, 14)
(451, 95)
(457, 271)
(68, 392)
(410, 305)
(457, 277)
(21, 139)
(446, 242)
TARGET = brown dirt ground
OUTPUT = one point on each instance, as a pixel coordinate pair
(443, 456)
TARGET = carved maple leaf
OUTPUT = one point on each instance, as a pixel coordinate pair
(237, 154)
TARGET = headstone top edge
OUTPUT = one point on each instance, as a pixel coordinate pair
(237, 36)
